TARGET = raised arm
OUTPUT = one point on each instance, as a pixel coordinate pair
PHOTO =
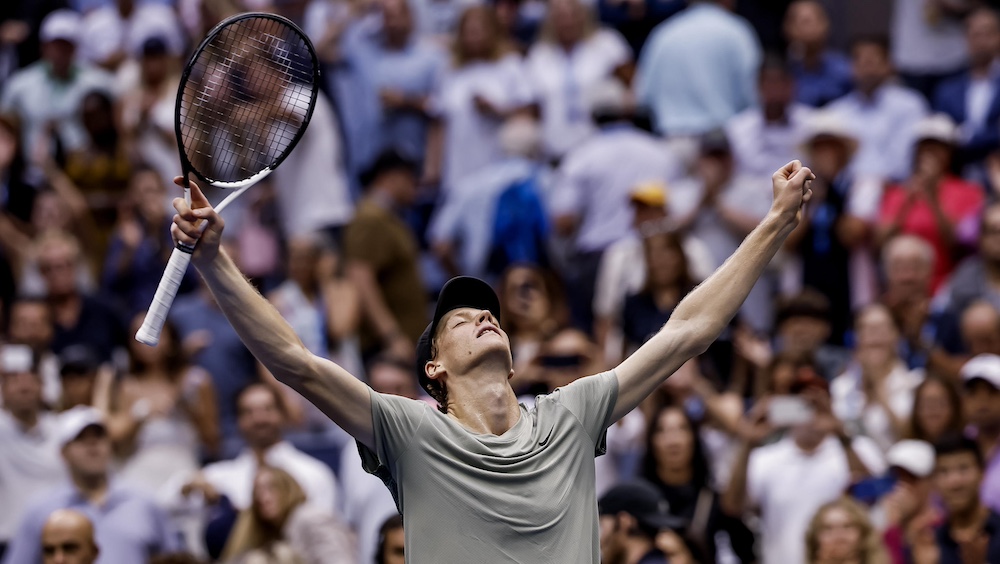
(704, 313)
(341, 396)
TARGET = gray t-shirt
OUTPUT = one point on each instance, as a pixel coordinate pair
(524, 496)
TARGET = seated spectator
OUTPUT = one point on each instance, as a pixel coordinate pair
(80, 318)
(382, 259)
(933, 204)
(30, 323)
(768, 135)
(803, 329)
(129, 526)
(573, 54)
(821, 74)
(30, 462)
(937, 409)
(972, 98)
(163, 417)
(532, 311)
(907, 268)
(981, 399)
(676, 462)
(140, 244)
(875, 396)
(503, 199)
(591, 198)
(391, 542)
(908, 511)
(632, 516)
(880, 112)
(279, 516)
(971, 530)
(68, 538)
(841, 533)
(818, 456)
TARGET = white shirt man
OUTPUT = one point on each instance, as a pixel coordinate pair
(29, 465)
(760, 146)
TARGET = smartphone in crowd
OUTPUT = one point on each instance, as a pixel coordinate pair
(789, 411)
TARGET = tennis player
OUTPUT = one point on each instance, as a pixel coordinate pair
(484, 479)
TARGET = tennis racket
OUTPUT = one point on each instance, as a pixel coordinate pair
(244, 101)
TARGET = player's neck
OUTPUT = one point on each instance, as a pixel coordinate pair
(485, 407)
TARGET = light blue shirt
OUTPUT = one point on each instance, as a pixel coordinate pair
(698, 69)
(128, 528)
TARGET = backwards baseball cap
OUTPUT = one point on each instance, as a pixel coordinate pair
(984, 367)
(459, 292)
(73, 422)
(916, 457)
(641, 500)
(61, 24)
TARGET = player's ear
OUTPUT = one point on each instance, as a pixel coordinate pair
(511, 375)
(432, 368)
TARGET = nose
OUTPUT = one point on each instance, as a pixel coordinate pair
(483, 317)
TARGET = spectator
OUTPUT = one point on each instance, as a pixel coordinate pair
(875, 396)
(561, 359)
(30, 463)
(766, 136)
(937, 410)
(632, 515)
(83, 381)
(590, 201)
(636, 19)
(80, 318)
(382, 259)
(483, 86)
(261, 420)
(532, 311)
(980, 328)
(928, 46)
(572, 56)
(367, 503)
(908, 266)
(129, 526)
(981, 399)
(818, 456)
(821, 74)
(31, 324)
(47, 94)
(831, 240)
(970, 531)
(972, 98)
(803, 330)
(676, 462)
(910, 515)
(881, 113)
(933, 204)
(163, 415)
(697, 69)
(279, 515)
(841, 533)
(113, 32)
(720, 207)
(390, 546)
(467, 230)
(68, 538)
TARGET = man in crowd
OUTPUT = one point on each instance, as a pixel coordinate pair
(31, 325)
(68, 538)
(981, 399)
(821, 74)
(971, 531)
(633, 515)
(130, 527)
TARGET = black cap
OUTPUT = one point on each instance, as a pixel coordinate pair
(714, 142)
(154, 46)
(77, 359)
(459, 292)
(641, 500)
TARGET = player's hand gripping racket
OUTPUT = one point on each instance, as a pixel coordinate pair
(244, 101)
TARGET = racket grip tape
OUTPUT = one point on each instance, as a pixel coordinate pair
(152, 325)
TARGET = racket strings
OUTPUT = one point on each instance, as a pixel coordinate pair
(247, 97)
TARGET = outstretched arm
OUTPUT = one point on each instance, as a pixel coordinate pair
(341, 396)
(704, 313)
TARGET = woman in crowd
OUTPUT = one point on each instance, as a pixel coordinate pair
(281, 527)
(875, 396)
(572, 56)
(163, 414)
(484, 85)
(841, 533)
(677, 463)
(532, 311)
(937, 410)
(391, 542)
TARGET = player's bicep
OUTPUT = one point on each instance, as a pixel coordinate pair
(646, 368)
(341, 396)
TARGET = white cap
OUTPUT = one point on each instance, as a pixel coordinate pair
(937, 127)
(73, 422)
(16, 359)
(826, 123)
(520, 136)
(916, 457)
(609, 96)
(61, 24)
(982, 367)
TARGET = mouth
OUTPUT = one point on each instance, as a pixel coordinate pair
(488, 328)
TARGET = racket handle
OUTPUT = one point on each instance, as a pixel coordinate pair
(152, 325)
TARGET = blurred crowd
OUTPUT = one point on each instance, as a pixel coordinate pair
(594, 160)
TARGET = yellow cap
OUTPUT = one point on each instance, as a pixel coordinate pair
(652, 194)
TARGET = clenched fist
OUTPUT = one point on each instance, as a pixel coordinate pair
(791, 191)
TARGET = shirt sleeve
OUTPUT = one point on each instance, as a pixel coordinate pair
(591, 400)
(395, 422)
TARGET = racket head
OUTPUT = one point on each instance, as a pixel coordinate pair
(245, 99)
